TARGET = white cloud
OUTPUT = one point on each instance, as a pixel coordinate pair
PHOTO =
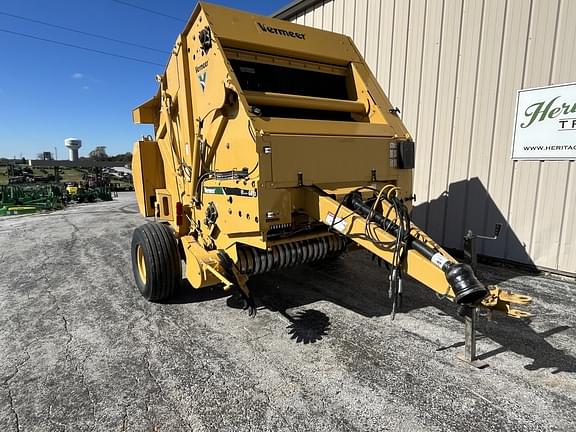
(78, 75)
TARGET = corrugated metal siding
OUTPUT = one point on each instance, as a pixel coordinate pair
(453, 67)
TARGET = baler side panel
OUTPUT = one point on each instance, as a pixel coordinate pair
(148, 175)
(329, 159)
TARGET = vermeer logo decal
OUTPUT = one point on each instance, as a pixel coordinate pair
(202, 66)
(202, 79)
(202, 75)
(281, 32)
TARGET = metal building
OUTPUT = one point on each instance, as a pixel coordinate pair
(454, 67)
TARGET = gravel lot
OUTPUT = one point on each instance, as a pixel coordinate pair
(81, 350)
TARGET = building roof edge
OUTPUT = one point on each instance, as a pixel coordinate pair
(294, 8)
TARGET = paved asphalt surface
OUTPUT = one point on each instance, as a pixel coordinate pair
(81, 350)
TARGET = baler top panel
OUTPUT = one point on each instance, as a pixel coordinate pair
(262, 34)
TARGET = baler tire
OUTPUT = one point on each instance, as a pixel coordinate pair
(156, 261)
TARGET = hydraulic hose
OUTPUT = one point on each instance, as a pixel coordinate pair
(467, 288)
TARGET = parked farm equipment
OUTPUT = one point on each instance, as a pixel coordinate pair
(29, 199)
(275, 146)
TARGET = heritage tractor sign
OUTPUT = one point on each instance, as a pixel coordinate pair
(545, 127)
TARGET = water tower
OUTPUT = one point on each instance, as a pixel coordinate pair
(73, 145)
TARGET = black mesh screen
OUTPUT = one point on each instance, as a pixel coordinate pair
(280, 79)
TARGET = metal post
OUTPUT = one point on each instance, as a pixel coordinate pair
(469, 354)
(470, 336)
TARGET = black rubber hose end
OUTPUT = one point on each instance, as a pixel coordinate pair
(467, 288)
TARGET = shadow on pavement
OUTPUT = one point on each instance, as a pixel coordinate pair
(330, 281)
(518, 337)
(307, 326)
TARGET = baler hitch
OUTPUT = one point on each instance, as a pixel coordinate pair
(382, 227)
(468, 289)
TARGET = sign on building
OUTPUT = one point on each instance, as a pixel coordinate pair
(545, 127)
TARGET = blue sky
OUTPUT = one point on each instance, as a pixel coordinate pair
(50, 92)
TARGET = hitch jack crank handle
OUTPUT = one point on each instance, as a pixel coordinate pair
(467, 288)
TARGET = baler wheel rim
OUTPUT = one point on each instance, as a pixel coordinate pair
(141, 262)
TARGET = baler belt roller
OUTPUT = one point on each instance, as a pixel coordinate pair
(303, 102)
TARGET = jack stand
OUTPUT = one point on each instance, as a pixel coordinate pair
(469, 354)
(470, 245)
(471, 314)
